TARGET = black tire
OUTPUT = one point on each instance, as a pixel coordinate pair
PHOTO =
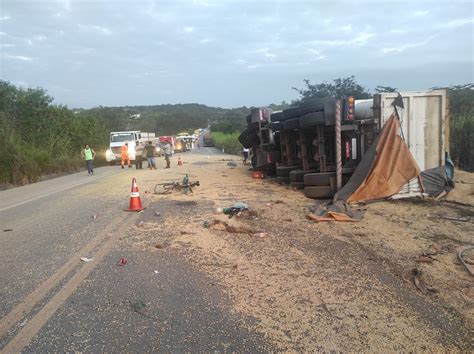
(276, 117)
(276, 126)
(330, 111)
(291, 124)
(249, 119)
(248, 138)
(298, 175)
(312, 105)
(254, 126)
(291, 113)
(312, 119)
(318, 179)
(297, 185)
(275, 156)
(282, 180)
(284, 171)
(318, 192)
(253, 160)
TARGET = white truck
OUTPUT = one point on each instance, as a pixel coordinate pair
(134, 138)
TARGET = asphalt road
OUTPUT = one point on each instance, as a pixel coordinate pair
(51, 301)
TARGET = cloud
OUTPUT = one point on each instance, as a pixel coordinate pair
(17, 57)
(5, 17)
(253, 66)
(359, 40)
(347, 28)
(39, 38)
(3, 34)
(6, 45)
(404, 47)
(421, 13)
(398, 31)
(189, 29)
(205, 40)
(95, 28)
(457, 23)
(316, 54)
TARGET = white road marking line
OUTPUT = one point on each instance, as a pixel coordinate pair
(56, 191)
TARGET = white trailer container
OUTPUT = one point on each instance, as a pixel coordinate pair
(424, 123)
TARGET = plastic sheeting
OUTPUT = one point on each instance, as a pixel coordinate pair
(386, 167)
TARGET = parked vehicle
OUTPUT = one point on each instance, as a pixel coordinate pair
(298, 144)
(132, 137)
(168, 139)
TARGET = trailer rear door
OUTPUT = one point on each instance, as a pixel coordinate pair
(424, 123)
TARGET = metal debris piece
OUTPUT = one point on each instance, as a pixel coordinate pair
(463, 219)
(7, 230)
(420, 284)
(463, 261)
(85, 259)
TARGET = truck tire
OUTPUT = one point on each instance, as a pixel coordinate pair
(318, 179)
(312, 119)
(291, 124)
(275, 156)
(312, 105)
(253, 161)
(297, 185)
(284, 171)
(248, 138)
(282, 180)
(297, 175)
(318, 192)
(276, 117)
(276, 126)
(290, 113)
(253, 127)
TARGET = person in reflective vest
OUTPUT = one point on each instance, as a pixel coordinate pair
(88, 154)
(124, 155)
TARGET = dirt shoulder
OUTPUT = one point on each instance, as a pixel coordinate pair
(331, 286)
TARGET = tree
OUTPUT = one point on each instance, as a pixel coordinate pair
(339, 88)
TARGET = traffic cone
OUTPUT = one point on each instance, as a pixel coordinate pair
(135, 201)
(180, 163)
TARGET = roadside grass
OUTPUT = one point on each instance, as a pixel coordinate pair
(462, 140)
(229, 142)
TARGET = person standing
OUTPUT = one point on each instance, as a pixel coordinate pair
(167, 154)
(150, 155)
(124, 155)
(139, 156)
(89, 155)
(245, 152)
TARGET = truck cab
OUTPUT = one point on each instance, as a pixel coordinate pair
(134, 138)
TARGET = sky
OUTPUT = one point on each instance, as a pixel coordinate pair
(229, 53)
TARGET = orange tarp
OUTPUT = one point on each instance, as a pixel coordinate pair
(393, 167)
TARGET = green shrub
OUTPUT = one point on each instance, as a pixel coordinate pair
(229, 142)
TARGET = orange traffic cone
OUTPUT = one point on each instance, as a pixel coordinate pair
(180, 163)
(135, 201)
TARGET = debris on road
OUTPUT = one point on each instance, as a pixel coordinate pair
(235, 209)
(339, 211)
(232, 164)
(220, 225)
(260, 234)
(465, 261)
(419, 283)
(85, 259)
(7, 230)
(122, 262)
(463, 219)
(425, 259)
(157, 213)
(170, 187)
(140, 224)
(155, 271)
(159, 246)
(94, 216)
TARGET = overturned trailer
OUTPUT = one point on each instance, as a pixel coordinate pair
(317, 145)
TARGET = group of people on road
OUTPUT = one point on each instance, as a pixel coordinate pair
(88, 154)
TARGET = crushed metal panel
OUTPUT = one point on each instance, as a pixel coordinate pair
(423, 124)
